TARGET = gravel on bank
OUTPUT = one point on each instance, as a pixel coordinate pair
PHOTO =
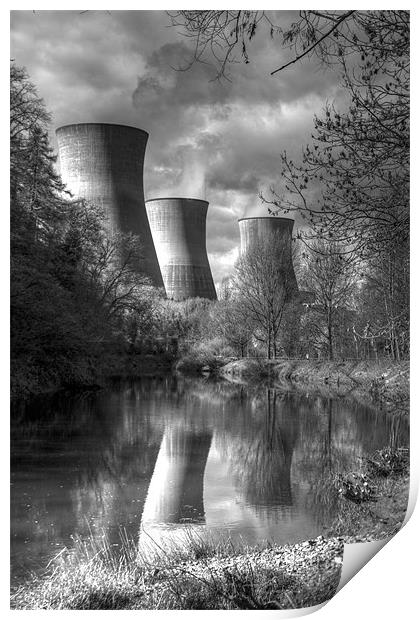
(290, 576)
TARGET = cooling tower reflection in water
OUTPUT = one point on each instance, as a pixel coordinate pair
(164, 455)
(175, 493)
(246, 482)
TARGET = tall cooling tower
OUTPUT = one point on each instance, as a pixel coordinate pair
(178, 228)
(103, 163)
(255, 230)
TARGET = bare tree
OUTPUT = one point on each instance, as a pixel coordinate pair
(232, 324)
(265, 286)
(358, 162)
(100, 267)
(217, 35)
(383, 317)
(223, 37)
(331, 275)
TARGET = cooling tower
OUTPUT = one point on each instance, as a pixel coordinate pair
(178, 228)
(103, 163)
(255, 230)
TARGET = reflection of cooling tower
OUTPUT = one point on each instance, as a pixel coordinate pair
(257, 230)
(175, 492)
(103, 164)
(178, 228)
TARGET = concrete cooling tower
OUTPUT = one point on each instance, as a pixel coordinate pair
(256, 230)
(178, 228)
(103, 163)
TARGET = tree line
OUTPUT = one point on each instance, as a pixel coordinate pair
(76, 297)
(350, 186)
(339, 312)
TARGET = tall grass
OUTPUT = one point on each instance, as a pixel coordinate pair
(196, 573)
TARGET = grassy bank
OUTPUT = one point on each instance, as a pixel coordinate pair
(384, 381)
(200, 575)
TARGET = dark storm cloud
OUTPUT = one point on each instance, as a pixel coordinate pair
(246, 123)
(210, 139)
(86, 65)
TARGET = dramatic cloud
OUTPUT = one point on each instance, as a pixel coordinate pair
(210, 139)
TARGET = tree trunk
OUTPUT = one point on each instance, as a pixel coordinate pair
(356, 346)
(330, 338)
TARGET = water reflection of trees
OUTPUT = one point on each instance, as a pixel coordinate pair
(93, 455)
(283, 448)
(99, 450)
(346, 432)
(259, 445)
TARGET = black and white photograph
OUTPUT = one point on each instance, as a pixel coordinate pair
(209, 304)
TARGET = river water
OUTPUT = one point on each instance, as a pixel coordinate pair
(154, 456)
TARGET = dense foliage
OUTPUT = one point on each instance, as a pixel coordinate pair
(75, 298)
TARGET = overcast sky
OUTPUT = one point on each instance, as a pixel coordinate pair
(207, 139)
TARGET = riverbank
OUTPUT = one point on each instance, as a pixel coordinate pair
(385, 382)
(198, 573)
(201, 575)
(372, 501)
(94, 374)
(380, 517)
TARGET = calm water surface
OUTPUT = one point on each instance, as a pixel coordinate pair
(159, 455)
